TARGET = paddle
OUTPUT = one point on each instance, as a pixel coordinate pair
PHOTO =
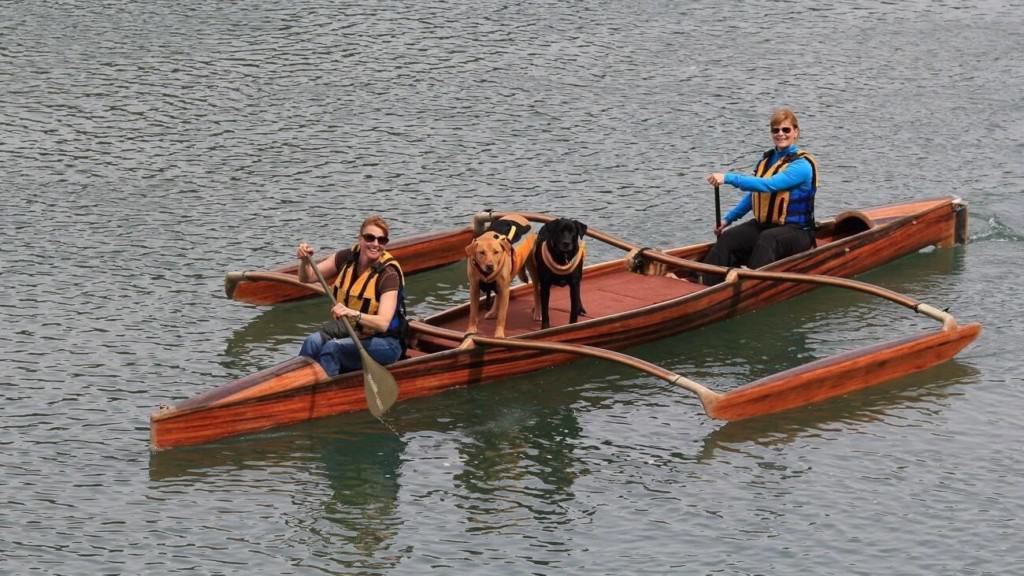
(718, 208)
(708, 397)
(380, 386)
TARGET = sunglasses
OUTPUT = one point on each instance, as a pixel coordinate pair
(783, 129)
(382, 240)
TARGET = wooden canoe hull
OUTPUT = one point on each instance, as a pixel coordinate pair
(234, 408)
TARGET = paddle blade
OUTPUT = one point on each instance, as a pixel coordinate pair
(380, 386)
(842, 373)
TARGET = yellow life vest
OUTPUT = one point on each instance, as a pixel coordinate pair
(360, 292)
(773, 207)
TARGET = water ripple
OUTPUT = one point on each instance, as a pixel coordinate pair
(150, 148)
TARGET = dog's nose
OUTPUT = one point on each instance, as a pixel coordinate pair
(488, 269)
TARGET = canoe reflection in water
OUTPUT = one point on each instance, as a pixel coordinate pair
(361, 469)
(364, 475)
(512, 447)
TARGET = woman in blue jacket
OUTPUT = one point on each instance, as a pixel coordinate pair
(781, 196)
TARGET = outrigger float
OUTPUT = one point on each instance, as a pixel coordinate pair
(626, 305)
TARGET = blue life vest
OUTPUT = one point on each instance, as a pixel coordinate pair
(794, 207)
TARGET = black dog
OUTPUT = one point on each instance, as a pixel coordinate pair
(557, 259)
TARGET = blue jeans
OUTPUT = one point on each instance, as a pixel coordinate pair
(341, 354)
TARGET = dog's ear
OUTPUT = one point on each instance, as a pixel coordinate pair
(542, 234)
(505, 243)
(581, 228)
(470, 248)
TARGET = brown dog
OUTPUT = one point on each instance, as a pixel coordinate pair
(495, 258)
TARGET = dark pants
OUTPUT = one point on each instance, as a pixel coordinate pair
(753, 245)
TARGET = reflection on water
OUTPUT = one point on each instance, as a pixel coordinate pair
(150, 147)
(515, 459)
(363, 473)
(524, 456)
(920, 272)
(276, 329)
(359, 460)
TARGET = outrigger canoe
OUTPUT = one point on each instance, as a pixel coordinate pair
(643, 297)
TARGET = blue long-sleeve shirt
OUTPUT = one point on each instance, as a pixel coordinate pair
(798, 177)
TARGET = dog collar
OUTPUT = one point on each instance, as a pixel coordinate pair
(562, 269)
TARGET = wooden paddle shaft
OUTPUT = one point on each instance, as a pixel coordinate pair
(334, 302)
(718, 208)
(707, 396)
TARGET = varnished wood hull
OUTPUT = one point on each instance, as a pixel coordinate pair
(625, 310)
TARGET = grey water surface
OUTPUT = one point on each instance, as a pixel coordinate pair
(147, 148)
